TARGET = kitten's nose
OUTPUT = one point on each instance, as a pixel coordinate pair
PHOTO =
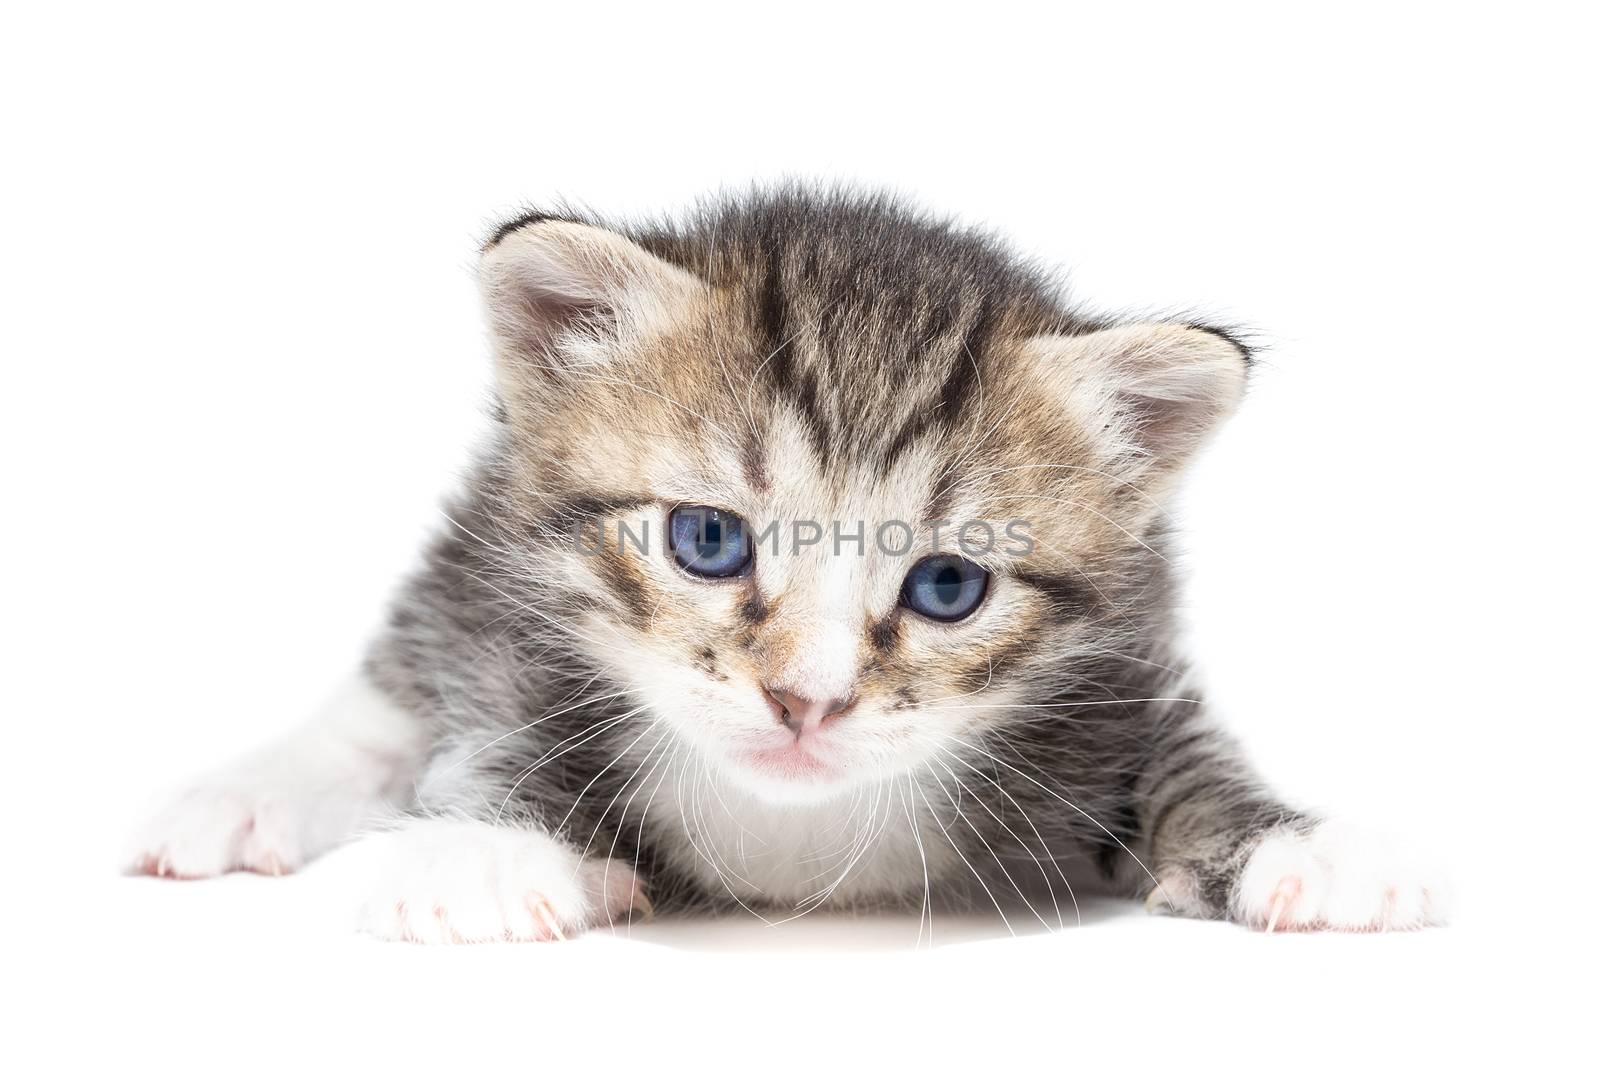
(800, 713)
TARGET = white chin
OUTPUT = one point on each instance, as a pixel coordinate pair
(787, 790)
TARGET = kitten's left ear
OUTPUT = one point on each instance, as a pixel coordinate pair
(563, 295)
(1152, 392)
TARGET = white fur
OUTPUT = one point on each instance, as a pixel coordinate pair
(278, 808)
(838, 849)
(824, 660)
(444, 881)
(1339, 877)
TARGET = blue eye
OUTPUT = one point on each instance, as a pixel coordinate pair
(946, 588)
(708, 542)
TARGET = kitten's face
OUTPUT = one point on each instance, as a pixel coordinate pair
(726, 418)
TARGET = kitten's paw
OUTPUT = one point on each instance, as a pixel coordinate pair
(212, 829)
(443, 882)
(271, 813)
(1337, 877)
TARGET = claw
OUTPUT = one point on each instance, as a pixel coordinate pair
(1287, 890)
(1156, 901)
(542, 911)
(641, 903)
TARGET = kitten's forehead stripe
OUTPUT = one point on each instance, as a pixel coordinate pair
(940, 496)
(965, 377)
(872, 322)
(753, 462)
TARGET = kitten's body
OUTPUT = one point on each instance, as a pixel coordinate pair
(583, 729)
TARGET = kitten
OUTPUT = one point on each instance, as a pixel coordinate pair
(817, 557)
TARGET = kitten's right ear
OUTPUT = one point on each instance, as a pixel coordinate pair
(562, 295)
(1152, 392)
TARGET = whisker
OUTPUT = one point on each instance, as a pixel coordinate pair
(1098, 824)
(576, 741)
(963, 857)
(927, 894)
(1042, 845)
(999, 863)
(562, 825)
(526, 726)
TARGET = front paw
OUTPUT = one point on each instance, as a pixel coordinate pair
(270, 813)
(446, 882)
(214, 828)
(1337, 877)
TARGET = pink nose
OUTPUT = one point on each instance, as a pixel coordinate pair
(800, 713)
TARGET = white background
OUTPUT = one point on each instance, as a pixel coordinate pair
(242, 361)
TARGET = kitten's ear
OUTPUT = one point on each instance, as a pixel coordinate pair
(1154, 392)
(562, 295)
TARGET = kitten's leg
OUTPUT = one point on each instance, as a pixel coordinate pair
(457, 881)
(278, 808)
(1223, 847)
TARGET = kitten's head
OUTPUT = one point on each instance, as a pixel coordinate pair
(979, 472)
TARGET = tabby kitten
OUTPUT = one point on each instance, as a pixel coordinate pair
(817, 557)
